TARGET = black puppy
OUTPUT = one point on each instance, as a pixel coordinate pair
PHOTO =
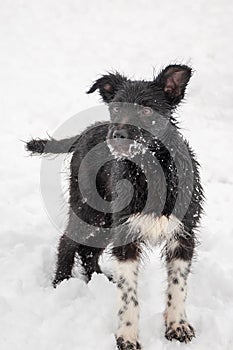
(140, 146)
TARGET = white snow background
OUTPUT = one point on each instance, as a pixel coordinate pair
(51, 51)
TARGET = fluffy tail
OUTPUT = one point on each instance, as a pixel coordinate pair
(39, 146)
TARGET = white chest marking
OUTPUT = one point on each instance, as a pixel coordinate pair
(154, 229)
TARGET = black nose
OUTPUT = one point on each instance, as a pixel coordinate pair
(120, 134)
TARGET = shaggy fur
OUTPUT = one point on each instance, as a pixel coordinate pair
(166, 202)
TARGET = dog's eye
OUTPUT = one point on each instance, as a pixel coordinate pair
(147, 111)
(115, 109)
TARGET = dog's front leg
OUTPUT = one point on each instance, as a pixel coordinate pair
(178, 268)
(127, 264)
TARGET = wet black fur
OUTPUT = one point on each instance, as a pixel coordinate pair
(162, 95)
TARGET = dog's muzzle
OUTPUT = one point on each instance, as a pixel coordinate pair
(121, 144)
(119, 134)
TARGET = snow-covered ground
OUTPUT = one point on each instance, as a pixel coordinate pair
(51, 50)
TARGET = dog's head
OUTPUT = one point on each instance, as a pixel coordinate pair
(141, 110)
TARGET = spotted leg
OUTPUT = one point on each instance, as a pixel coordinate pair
(178, 268)
(127, 264)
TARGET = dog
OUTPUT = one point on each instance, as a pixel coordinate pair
(151, 182)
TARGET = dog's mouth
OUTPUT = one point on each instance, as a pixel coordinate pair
(125, 148)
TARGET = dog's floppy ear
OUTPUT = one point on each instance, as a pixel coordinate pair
(108, 85)
(173, 80)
